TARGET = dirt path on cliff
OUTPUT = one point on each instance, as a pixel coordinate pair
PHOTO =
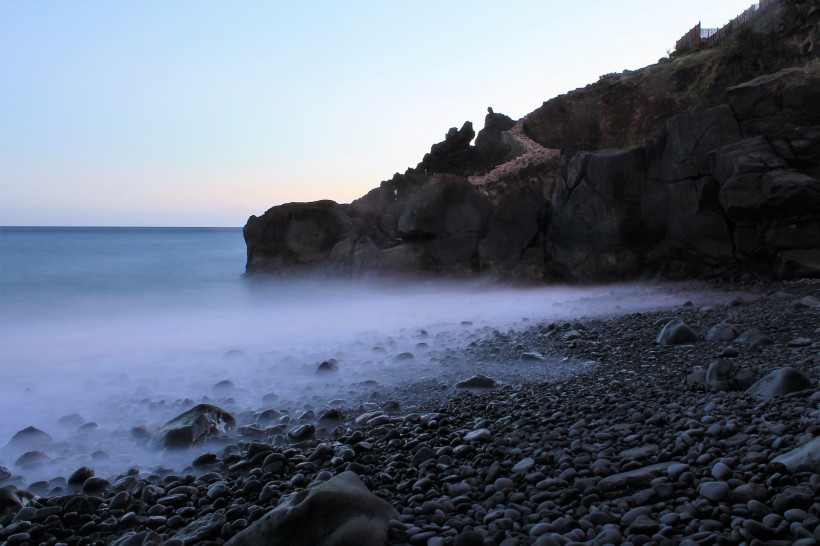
(534, 154)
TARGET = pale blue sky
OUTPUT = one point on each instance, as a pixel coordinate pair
(201, 113)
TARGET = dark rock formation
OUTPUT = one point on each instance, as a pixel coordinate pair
(703, 196)
(30, 438)
(454, 154)
(715, 172)
(338, 512)
(196, 425)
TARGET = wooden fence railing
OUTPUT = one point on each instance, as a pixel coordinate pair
(707, 37)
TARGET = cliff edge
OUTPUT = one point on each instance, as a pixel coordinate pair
(707, 163)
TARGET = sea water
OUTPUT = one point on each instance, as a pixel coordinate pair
(128, 327)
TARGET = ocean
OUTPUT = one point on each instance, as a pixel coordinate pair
(118, 328)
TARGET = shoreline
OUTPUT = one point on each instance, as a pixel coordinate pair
(536, 476)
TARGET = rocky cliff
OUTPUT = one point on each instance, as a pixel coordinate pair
(716, 172)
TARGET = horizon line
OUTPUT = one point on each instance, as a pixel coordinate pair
(119, 227)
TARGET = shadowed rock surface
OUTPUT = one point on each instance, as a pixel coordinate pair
(338, 512)
(706, 164)
(196, 425)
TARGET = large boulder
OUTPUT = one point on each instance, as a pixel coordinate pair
(338, 512)
(28, 439)
(805, 458)
(721, 375)
(296, 236)
(677, 332)
(192, 427)
(779, 382)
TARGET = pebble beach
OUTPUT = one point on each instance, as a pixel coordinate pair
(649, 442)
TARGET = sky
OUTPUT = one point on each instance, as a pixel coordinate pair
(201, 113)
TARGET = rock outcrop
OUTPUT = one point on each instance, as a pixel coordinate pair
(732, 188)
(727, 185)
(338, 512)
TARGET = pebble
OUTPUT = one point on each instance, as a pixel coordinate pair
(478, 435)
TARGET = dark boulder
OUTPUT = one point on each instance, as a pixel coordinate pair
(28, 439)
(676, 332)
(338, 512)
(79, 476)
(723, 331)
(780, 382)
(805, 458)
(195, 426)
(477, 382)
(296, 236)
(723, 376)
(327, 366)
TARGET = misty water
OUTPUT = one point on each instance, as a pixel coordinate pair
(107, 329)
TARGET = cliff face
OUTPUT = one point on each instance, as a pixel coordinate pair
(715, 174)
(725, 190)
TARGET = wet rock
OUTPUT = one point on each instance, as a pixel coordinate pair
(331, 414)
(9, 501)
(338, 512)
(72, 420)
(95, 485)
(206, 527)
(402, 357)
(79, 476)
(31, 458)
(302, 433)
(204, 460)
(223, 387)
(723, 331)
(722, 376)
(193, 427)
(803, 458)
(29, 439)
(141, 433)
(477, 435)
(633, 479)
(327, 366)
(477, 382)
(749, 491)
(793, 498)
(754, 338)
(714, 491)
(676, 332)
(423, 455)
(780, 382)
